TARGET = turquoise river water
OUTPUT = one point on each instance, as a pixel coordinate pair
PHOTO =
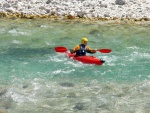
(36, 79)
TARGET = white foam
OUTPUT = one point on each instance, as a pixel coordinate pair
(50, 94)
(16, 42)
(44, 26)
(19, 96)
(62, 71)
(14, 32)
(57, 58)
(74, 63)
(50, 43)
(110, 60)
(2, 30)
(133, 47)
(141, 55)
(145, 55)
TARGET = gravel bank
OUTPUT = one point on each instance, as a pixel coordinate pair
(138, 10)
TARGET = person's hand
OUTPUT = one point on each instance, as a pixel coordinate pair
(72, 51)
(93, 51)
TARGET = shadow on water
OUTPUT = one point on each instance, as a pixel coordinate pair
(93, 31)
(29, 52)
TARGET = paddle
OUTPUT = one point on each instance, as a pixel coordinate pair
(63, 49)
(104, 50)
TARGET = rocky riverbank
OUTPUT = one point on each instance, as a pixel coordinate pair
(136, 10)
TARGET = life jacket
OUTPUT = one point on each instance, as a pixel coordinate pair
(81, 51)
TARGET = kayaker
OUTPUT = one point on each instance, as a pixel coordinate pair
(82, 48)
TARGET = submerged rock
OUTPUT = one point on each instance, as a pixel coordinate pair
(67, 84)
(6, 103)
(25, 86)
(79, 106)
(71, 95)
(94, 31)
(3, 111)
(3, 90)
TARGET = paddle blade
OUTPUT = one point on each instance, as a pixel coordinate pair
(104, 50)
(60, 49)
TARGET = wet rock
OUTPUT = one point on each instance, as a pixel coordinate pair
(79, 106)
(67, 84)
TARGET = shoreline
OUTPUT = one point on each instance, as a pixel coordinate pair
(128, 11)
(75, 19)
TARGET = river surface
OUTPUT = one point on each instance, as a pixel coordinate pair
(36, 79)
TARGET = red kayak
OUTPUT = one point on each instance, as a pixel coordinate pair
(86, 59)
(83, 59)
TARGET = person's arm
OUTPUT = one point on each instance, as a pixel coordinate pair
(77, 47)
(89, 50)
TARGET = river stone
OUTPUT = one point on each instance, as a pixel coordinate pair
(80, 14)
(48, 1)
(72, 15)
(6, 5)
(120, 2)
